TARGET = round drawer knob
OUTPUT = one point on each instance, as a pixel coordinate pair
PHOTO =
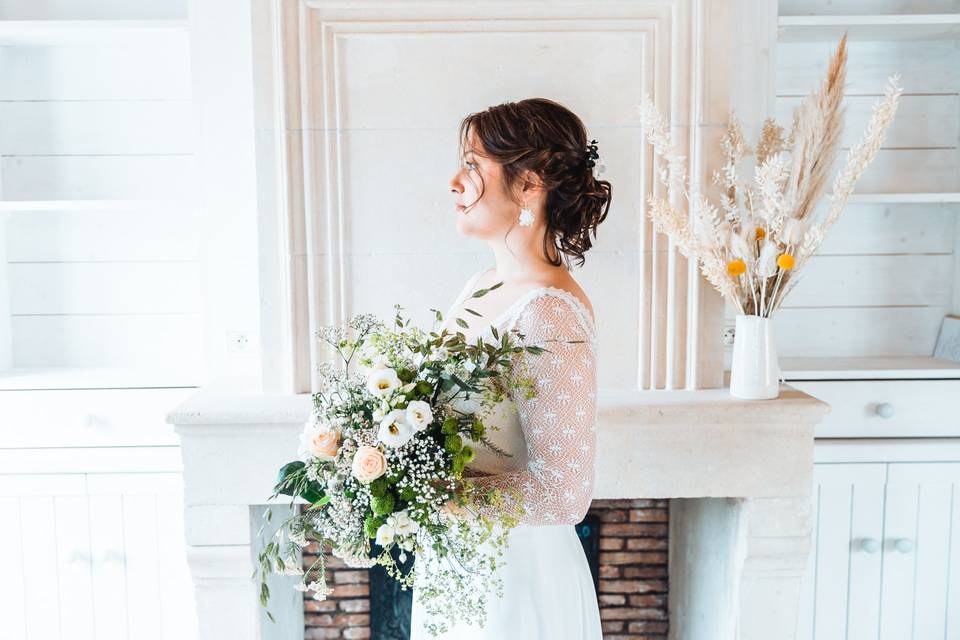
(870, 545)
(903, 545)
(885, 410)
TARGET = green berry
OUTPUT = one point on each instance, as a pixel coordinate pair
(477, 430)
(370, 526)
(382, 505)
(378, 487)
(449, 426)
(453, 443)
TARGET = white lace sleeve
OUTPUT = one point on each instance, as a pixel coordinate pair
(559, 423)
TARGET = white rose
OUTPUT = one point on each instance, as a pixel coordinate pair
(382, 381)
(395, 431)
(385, 535)
(419, 415)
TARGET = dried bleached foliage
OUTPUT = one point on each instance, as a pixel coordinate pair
(752, 243)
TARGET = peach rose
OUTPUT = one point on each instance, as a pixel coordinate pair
(368, 464)
(324, 443)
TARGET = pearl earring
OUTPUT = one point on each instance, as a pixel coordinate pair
(526, 215)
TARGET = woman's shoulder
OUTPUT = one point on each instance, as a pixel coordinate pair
(567, 287)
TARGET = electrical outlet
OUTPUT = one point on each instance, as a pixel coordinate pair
(240, 342)
(728, 335)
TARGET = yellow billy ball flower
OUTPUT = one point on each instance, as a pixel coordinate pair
(736, 267)
(761, 233)
(785, 261)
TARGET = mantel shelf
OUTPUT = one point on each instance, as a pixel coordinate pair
(921, 26)
(96, 378)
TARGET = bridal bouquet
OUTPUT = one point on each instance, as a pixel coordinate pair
(382, 459)
(752, 243)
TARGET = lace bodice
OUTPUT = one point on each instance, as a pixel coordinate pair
(552, 436)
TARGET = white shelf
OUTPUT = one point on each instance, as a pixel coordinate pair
(87, 205)
(869, 368)
(945, 197)
(931, 26)
(48, 378)
(91, 32)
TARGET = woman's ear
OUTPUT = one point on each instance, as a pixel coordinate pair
(530, 185)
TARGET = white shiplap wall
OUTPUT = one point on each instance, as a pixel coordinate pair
(100, 317)
(886, 274)
(96, 170)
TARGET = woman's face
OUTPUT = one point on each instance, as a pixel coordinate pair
(492, 215)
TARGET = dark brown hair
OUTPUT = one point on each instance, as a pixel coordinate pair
(545, 137)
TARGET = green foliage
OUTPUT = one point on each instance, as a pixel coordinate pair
(292, 481)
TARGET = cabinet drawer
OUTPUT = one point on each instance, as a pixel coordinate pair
(886, 408)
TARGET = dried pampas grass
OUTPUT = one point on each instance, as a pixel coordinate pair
(752, 252)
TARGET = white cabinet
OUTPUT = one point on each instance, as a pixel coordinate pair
(885, 561)
(96, 556)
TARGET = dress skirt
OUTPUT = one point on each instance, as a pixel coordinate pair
(548, 591)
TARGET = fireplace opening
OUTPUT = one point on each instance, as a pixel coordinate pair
(625, 543)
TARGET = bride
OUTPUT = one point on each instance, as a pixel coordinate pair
(527, 187)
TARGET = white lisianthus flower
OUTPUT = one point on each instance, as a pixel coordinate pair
(440, 353)
(419, 414)
(385, 534)
(469, 366)
(402, 524)
(382, 381)
(450, 368)
(395, 431)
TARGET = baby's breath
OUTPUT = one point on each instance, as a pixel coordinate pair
(400, 501)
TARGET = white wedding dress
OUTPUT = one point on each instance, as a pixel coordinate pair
(548, 591)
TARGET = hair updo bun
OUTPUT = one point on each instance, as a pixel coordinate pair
(544, 137)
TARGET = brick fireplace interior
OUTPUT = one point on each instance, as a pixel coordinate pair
(632, 580)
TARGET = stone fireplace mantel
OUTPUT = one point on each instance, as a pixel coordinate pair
(738, 473)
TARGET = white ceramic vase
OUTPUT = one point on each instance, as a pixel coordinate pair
(754, 371)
